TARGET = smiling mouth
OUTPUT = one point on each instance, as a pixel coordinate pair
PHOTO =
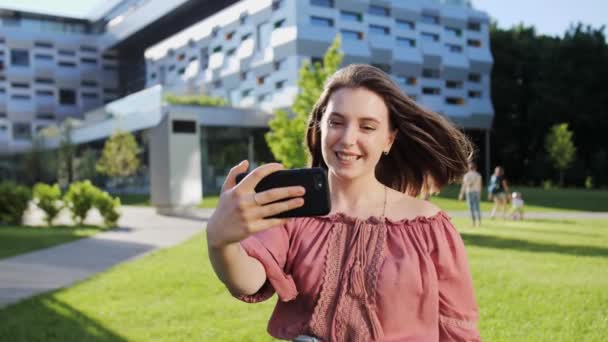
(347, 157)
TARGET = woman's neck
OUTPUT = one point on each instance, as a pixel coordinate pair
(362, 196)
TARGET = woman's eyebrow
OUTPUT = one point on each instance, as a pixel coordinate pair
(366, 118)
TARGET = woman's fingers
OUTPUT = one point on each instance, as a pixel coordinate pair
(276, 208)
(252, 179)
(277, 194)
(230, 181)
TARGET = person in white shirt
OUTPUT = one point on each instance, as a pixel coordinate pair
(471, 187)
(517, 206)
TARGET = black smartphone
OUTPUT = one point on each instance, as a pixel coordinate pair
(314, 180)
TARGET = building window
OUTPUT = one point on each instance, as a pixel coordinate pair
(90, 96)
(262, 79)
(263, 97)
(231, 52)
(454, 100)
(42, 80)
(279, 23)
(378, 10)
(430, 73)
(430, 37)
(474, 94)
(322, 3)
(351, 35)
(246, 36)
(43, 57)
(181, 71)
(20, 85)
(430, 19)
(44, 93)
(22, 131)
(246, 93)
(454, 48)
(405, 80)
(384, 67)
(314, 60)
(408, 42)
(88, 83)
(229, 35)
(278, 65)
(277, 4)
(280, 84)
(378, 29)
(431, 91)
(192, 59)
(322, 22)
(67, 97)
(171, 67)
(90, 61)
(45, 116)
(44, 45)
(20, 97)
(66, 53)
(474, 26)
(217, 49)
(20, 57)
(245, 75)
(215, 31)
(454, 31)
(474, 42)
(67, 64)
(453, 84)
(475, 78)
(351, 16)
(86, 48)
(405, 24)
(243, 18)
(217, 84)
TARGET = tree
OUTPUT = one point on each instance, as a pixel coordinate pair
(119, 156)
(67, 152)
(560, 148)
(287, 132)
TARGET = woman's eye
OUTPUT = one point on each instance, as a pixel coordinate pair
(333, 122)
(369, 128)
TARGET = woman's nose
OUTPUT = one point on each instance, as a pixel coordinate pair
(349, 136)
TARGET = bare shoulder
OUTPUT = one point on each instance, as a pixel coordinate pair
(404, 206)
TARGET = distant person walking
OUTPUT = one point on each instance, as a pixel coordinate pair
(471, 188)
(497, 191)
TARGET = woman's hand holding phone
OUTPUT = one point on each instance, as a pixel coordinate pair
(241, 211)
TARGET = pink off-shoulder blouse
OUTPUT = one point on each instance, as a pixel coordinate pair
(340, 278)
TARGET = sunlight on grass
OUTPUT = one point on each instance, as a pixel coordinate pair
(535, 280)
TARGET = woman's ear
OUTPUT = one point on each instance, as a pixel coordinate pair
(392, 137)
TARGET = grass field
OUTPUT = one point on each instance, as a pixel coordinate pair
(536, 199)
(535, 280)
(21, 239)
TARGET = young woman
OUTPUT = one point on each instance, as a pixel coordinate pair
(383, 265)
(498, 190)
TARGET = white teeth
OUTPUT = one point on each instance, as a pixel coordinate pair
(343, 156)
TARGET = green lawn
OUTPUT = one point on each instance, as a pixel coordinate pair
(536, 199)
(535, 280)
(21, 239)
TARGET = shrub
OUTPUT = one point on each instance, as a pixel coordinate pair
(547, 184)
(80, 198)
(48, 198)
(14, 200)
(108, 208)
(589, 182)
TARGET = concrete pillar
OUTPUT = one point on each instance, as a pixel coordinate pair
(175, 164)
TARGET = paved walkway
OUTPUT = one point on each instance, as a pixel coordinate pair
(141, 231)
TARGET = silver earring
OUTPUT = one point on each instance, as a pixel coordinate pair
(385, 153)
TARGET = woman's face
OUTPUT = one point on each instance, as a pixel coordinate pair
(354, 132)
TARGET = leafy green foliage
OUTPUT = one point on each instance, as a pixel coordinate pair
(108, 208)
(539, 81)
(196, 100)
(286, 138)
(14, 200)
(119, 157)
(80, 197)
(48, 198)
(560, 148)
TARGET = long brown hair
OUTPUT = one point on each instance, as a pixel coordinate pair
(428, 152)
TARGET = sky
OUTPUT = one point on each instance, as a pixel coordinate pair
(551, 17)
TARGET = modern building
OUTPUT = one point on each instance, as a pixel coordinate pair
(247, 51)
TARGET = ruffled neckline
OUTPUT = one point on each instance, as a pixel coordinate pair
(340, 217)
